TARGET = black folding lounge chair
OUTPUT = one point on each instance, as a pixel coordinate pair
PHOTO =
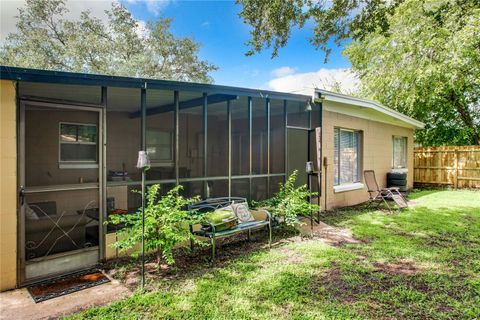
(380, 196)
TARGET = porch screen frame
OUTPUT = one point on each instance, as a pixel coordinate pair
(229, 177)
(100, 186)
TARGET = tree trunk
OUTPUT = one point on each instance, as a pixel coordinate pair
(466, 117)
(159, 257)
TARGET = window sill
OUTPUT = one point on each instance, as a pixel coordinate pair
(158, 164)
(348, 187)
(64, 165)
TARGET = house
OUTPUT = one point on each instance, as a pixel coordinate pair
(360, 134)
(69, 146)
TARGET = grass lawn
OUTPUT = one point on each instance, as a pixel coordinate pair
(420, 263)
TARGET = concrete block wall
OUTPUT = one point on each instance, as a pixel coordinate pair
(376, 155)
(8, 186)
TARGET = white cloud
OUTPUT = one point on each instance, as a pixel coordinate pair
(153, 6)
(141, 29)
(323, 79)
(205, 24)
(282, 71)
(9, 11)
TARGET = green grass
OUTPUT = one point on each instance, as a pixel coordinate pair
(420, 263)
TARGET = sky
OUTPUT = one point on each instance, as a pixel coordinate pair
(223, 35)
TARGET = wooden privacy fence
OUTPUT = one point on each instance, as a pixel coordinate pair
(458, 166)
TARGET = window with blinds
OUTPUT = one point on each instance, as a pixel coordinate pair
(347, 156)
(399, 152)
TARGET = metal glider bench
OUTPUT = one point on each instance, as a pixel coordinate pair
(256, 219)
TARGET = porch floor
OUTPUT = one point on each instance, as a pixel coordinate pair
(17, 304)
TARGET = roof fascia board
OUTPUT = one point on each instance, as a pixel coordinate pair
(348, 111)
(47, 76)
(364, 103)
(219, 89)
(44, 76)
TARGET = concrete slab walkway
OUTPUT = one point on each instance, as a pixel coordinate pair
(17, 304)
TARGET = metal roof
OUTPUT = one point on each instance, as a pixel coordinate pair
(61, 77)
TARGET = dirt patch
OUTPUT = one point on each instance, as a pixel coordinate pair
(404, 267)
(188, 263)
(331, 283)
(332, 235)
(290, 256)
(382, 278)
(331, 279)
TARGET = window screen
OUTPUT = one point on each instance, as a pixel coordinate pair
(399, 152)
(78, 142)
(346, 156)
(297, 115)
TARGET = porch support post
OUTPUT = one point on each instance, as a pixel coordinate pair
(143, 103)
(143, 106)
(177, 133)
(229, 117)
(103, 176)
(320, 169)
(286, 138)
(205, 142)
(250, 147)
(268, 144)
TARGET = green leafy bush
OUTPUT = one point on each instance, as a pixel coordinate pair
(290, 201)
(166, 224)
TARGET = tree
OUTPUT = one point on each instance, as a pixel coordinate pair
(167, 223)
(427, 66)
(120, 46)
(420, 57)
(291, 201)
(337, 20)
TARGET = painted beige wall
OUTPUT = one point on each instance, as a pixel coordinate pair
(8, 186)
(376, 155)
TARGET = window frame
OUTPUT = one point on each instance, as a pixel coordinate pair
(77, 164)
(405, 138)
(161, 163)
(359, 151)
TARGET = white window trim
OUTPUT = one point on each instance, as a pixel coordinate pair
(403, 169)
(348, 187)
(360, 159)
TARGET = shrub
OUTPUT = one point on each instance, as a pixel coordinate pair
(166, 224)
(290, 201)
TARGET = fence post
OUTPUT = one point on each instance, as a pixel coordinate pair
(455, 181)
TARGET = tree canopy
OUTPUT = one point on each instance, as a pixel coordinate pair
(421, 57)
(121, 46)
(427, 66)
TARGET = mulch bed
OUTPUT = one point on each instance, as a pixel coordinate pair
(67, 284)
(188, 263)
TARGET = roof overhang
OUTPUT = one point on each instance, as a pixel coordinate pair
(364, 108)
(60, 77)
